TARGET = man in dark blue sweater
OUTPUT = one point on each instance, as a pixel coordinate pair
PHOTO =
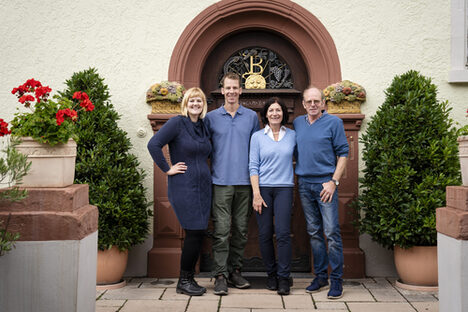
(322, 149)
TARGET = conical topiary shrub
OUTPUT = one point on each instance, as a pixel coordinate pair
(103, 161)
(410, 154)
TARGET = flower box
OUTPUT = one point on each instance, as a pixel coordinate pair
(344, 97)
(165, 97)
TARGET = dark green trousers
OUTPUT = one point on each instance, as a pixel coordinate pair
(232, 206)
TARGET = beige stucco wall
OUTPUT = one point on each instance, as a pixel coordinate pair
(130, 43)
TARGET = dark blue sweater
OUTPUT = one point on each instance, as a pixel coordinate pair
(190, 192)
(318, 146)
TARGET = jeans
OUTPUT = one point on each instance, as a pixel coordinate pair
(279, 202)
(232, 205)
(322, 218)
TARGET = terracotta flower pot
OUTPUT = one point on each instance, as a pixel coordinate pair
(463, 155)
(417, 265)
(111, 265)
(51, 166)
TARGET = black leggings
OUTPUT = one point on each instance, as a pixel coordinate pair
(191, 250)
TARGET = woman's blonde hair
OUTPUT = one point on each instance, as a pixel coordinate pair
(190, 93)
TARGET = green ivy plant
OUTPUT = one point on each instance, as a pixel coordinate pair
(105, 163)
(410, 155)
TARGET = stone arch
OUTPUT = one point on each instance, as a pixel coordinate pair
(283, 17)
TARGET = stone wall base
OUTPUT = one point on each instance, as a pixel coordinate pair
(453, 273)
(44, 276)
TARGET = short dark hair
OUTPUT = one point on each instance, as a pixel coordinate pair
(231, 75)
(267, 105)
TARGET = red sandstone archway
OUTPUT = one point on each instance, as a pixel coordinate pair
(299, 26)
(315, 46)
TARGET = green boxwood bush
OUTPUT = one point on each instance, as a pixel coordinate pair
(410, 153)
(104, 162)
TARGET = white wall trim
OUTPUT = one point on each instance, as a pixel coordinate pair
(458, 71)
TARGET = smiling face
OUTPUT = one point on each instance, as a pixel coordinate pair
(313, 103)
(194, 107)
(274, 115)
(231, 90)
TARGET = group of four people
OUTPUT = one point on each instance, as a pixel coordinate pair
(247, 161)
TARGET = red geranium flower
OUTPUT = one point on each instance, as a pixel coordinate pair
(87, 105)
(4, 128)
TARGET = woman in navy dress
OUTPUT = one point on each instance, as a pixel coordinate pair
(189, 179)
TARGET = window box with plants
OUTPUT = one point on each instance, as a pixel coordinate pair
(410, 156)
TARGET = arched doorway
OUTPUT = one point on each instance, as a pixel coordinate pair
(204, 46)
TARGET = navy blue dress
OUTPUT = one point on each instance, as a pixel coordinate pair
(190, 192)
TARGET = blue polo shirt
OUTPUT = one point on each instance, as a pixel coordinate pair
(231, 139)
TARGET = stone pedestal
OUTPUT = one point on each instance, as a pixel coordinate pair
(452, 244)
(53, 267)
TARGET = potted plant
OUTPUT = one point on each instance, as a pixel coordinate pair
(115, 180)
(47, 128)
(344, 97)
(410, 156)
(463, 151)
(165, 97)
(13, 167)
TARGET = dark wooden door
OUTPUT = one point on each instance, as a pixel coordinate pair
(255, 99)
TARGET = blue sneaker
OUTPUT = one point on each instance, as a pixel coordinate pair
(336, 290)
(317, 284)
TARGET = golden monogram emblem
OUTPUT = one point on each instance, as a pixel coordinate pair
(254, 79)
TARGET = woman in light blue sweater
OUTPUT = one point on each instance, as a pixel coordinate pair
(272, 179)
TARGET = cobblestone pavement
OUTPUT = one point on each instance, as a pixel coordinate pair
(360, 295)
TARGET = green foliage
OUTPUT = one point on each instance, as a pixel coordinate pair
(104, 162)
(41, 124)
(13, 167)
(7, 239)
(463, 130)
(410, 153)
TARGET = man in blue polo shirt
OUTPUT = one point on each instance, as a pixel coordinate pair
(322, 149)
(231, 127)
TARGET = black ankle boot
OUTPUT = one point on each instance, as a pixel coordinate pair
(187, 285)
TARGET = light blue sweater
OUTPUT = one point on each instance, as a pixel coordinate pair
(272, 160)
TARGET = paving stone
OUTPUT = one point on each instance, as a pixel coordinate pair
(250, 291)
(143, 279)
(251, 301)
(202, 306)
(108, 305)
(160, 283)
(131, 284)
(293, 310)
(426, 306)
(377, 283)
(133, 293)
(390, 295)
(418, 296)
(380, 307)
(154, 305)
(99, 292)
(234, 310)
(331, 306)
(298, 302)
(349, 294)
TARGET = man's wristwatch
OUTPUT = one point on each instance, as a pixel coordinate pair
(336, 182)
